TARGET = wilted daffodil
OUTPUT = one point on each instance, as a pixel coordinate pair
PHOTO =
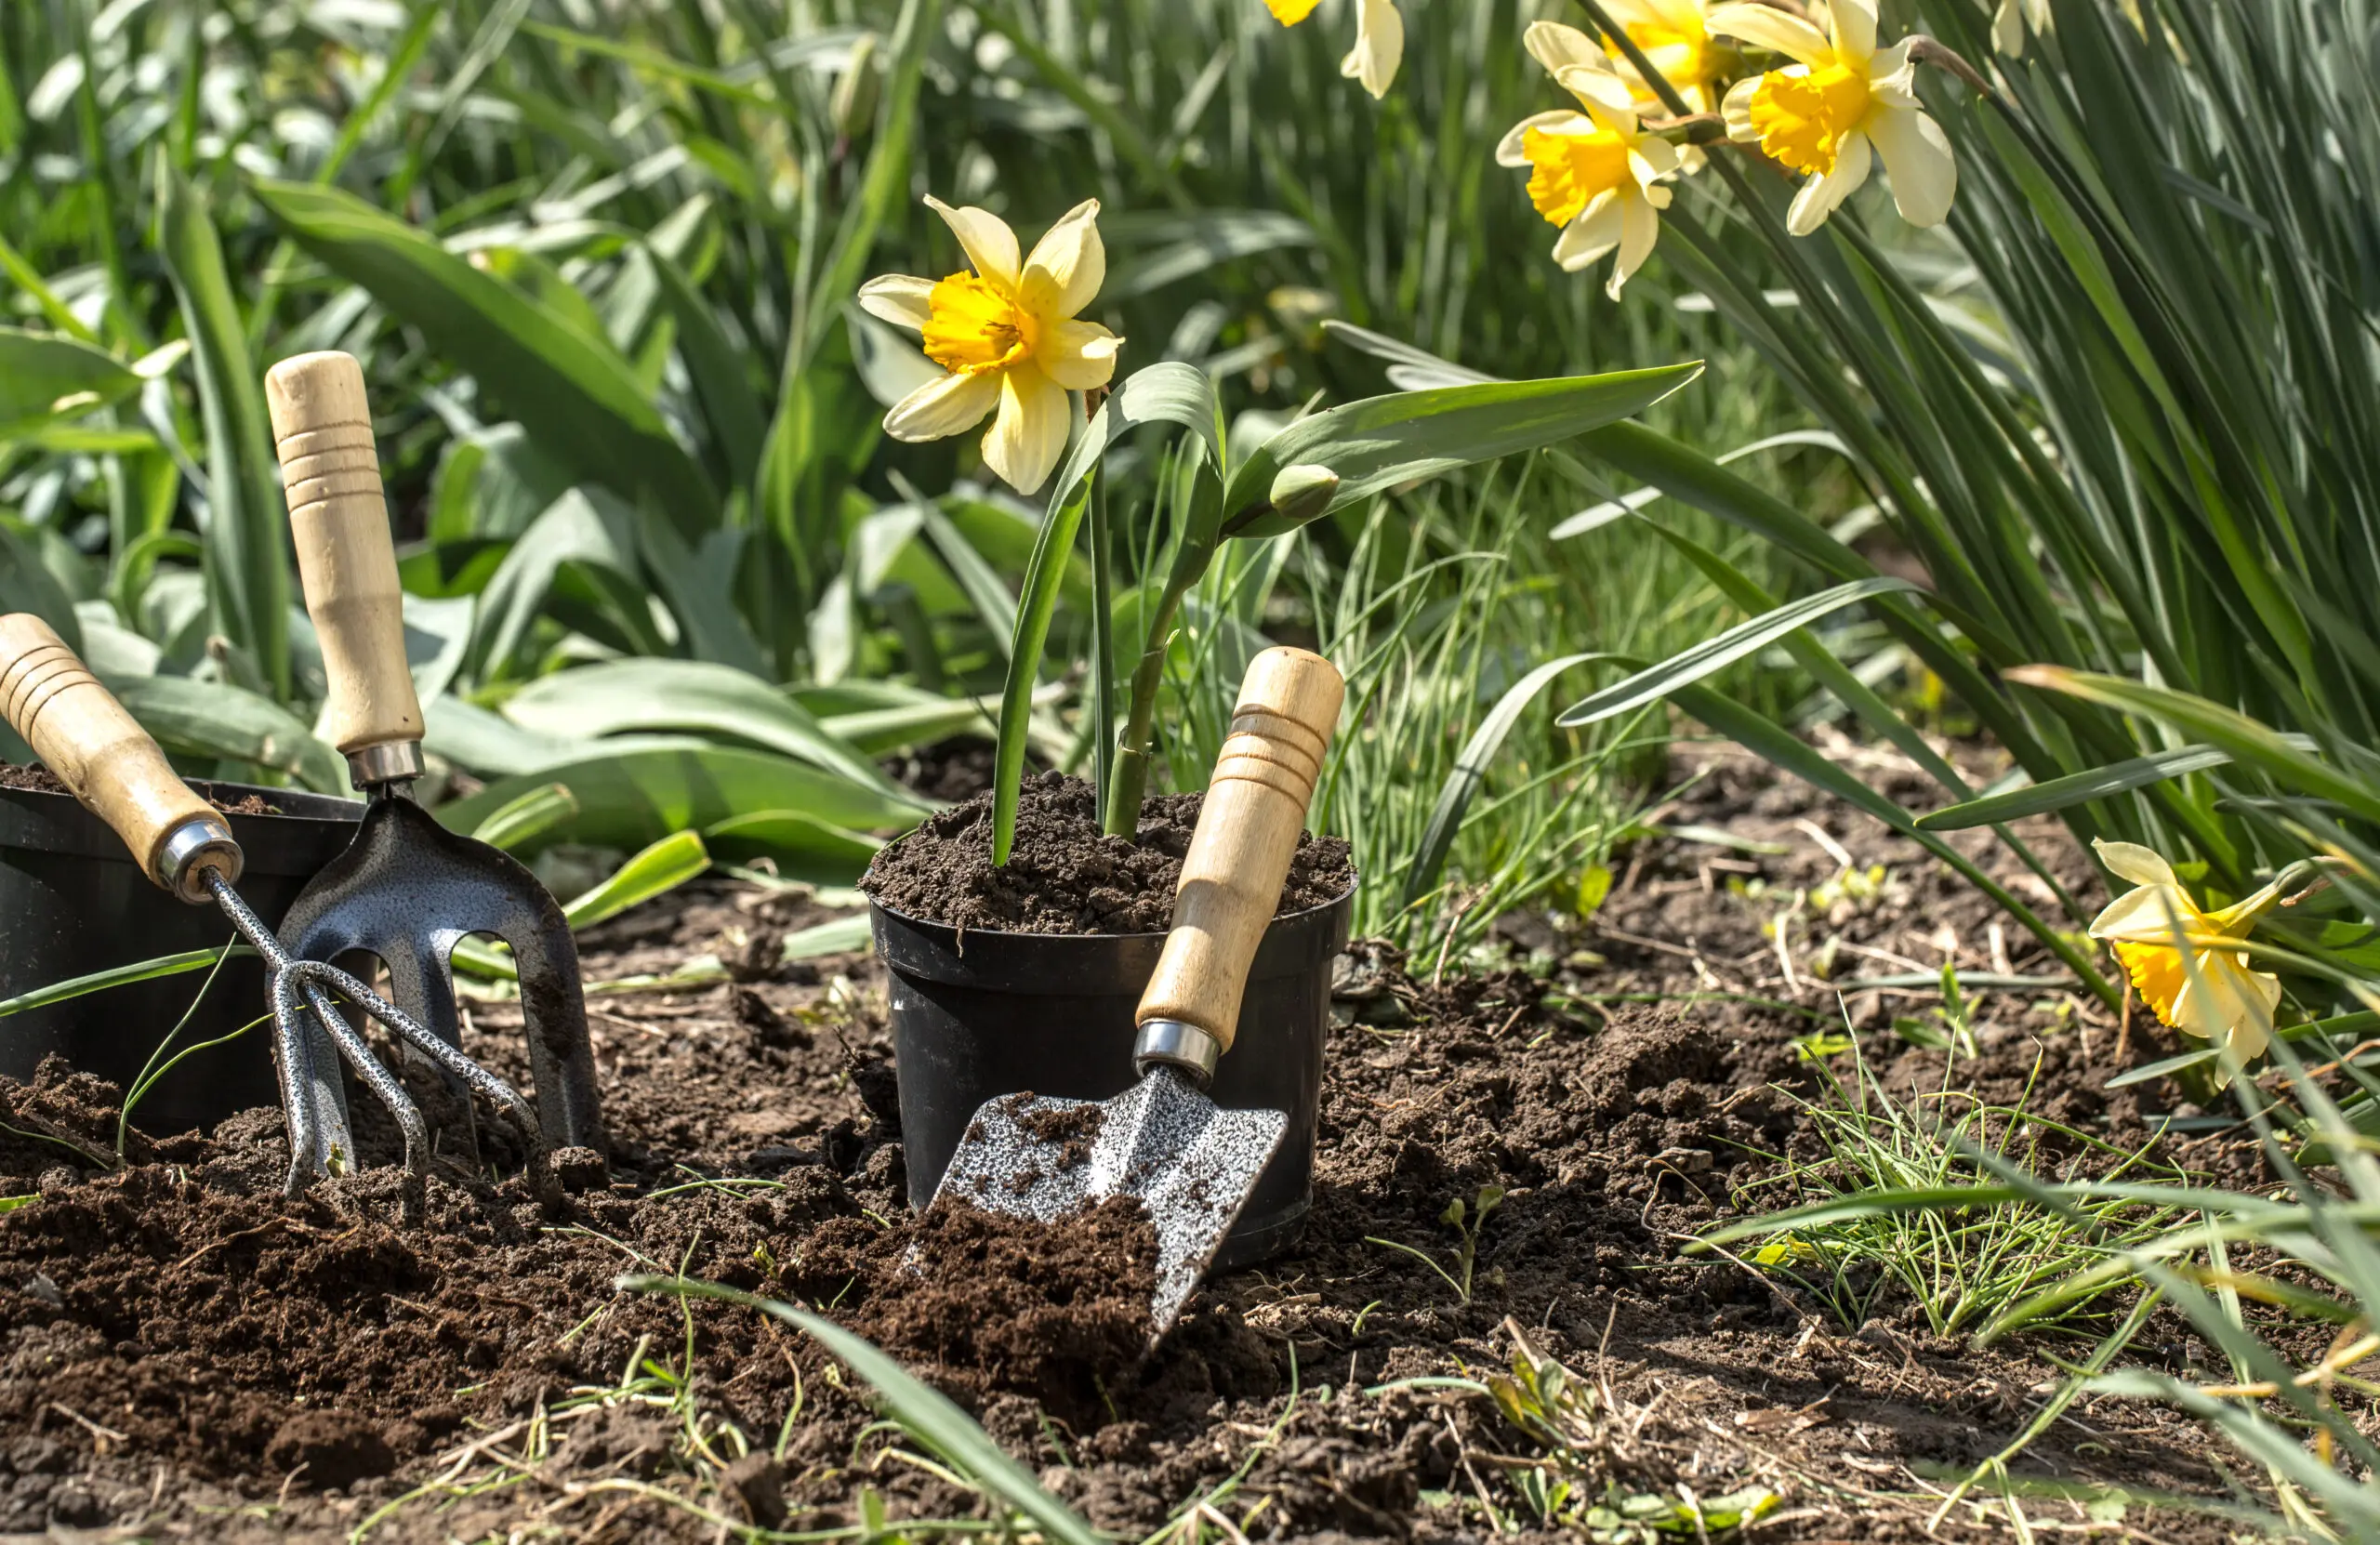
(1380, 39)
(1595, 174)
(1007, 334)
(1676, 42)
(1842, 101)
(2212, 994)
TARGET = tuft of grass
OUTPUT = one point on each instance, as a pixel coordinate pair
(1859, 1236)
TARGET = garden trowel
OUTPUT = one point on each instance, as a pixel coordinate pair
(1163, 1141)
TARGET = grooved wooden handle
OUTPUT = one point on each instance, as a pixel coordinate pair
(340, 519)
(100, 751)
(1248, 831)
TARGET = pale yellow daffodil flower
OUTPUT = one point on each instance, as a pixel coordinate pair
(2160, 935)
(1675, 39)
(1595, 174)
(1007, 333)
(1380, 39)
(1842, 102)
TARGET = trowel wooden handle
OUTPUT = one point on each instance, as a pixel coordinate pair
(1248, 831)
(101, 752)
(340, 519)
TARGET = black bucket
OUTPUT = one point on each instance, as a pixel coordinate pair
(72, 901)
(1000, 1014)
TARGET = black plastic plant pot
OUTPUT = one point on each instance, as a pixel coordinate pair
(73, 902)
(1000, 1014)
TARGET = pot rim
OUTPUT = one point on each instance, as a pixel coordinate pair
(333, 809)
(1354, 879)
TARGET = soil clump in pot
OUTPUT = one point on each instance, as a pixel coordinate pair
(1063, 874)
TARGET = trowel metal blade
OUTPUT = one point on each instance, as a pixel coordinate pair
(1190, 1162)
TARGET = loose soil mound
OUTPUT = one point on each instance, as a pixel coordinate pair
(185, 1354)
(990, 1303)
(1065, 876)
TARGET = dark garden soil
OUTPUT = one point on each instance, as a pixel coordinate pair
(1062, 875)
(37, 779)
(184, 1352)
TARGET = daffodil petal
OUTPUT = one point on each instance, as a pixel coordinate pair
(2226, 1003)
(1510, 151)
(899, 299)
(2130, 861)
(1557, 46)
(1289, 13)
(1652, 158)
(1892, 76)
(1078, 355)
(989, 243)
(938, 409)
(2150, 915)
(1918, 159)
(2008, 30)
(1853, 24)
(2247, 909)
(1639, 228)
(1068, 265)
(1735, 110)
(1379, 46)
(1601, 91)
(1029, 433)
(1821, 195)
(1597, 229)
(1767, 27)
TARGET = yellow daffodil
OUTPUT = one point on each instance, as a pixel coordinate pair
(1595, 174)
(1380, 39)
(1840, 101)
(1006, 333)
(2210, 993)
(1675, 41)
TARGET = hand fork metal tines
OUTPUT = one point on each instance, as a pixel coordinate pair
(87, 739)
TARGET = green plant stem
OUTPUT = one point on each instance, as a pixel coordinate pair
(1102, 638)
(1131, 770)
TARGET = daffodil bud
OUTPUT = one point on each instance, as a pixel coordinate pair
(853, 105)
(1302, 492)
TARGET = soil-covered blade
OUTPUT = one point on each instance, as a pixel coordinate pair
(1189, 1163)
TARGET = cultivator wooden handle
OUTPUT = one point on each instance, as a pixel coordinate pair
(338, 517)
(101, 752)
(1240, 854)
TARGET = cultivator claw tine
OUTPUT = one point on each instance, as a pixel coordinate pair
(411, 1032)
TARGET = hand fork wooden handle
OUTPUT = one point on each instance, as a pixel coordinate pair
(338, 518)
(1238, 859)
(108, 763)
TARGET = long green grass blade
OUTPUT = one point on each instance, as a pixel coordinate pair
(924, 1412)
(117, 976)
(1746, 639)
